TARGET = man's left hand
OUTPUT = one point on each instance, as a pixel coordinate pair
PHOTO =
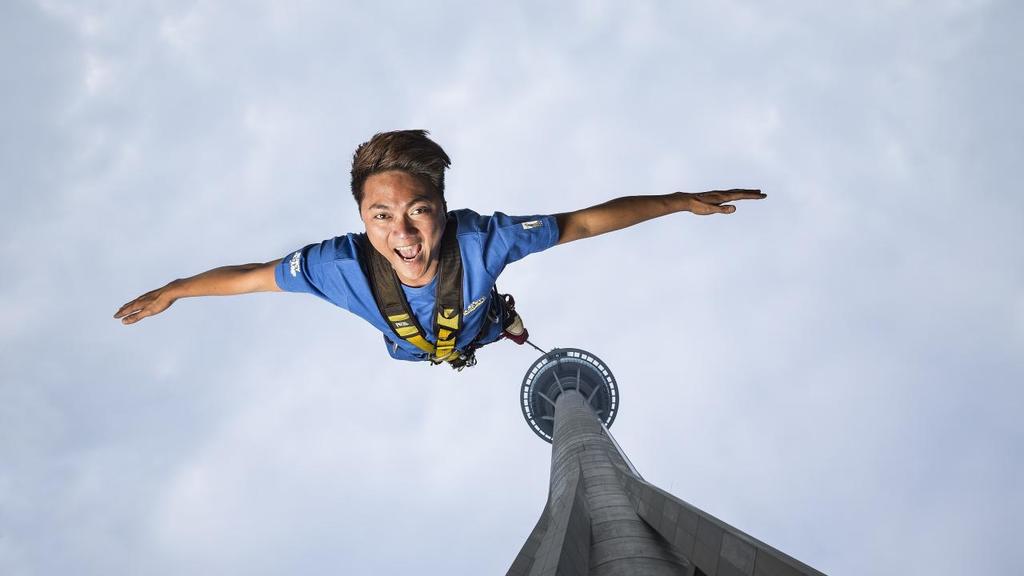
(715, 201)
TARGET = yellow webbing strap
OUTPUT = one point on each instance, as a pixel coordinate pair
(447, 329)
(393, 306)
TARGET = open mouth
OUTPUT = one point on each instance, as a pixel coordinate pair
(409, 253)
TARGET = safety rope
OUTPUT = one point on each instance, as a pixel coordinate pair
(537, 347)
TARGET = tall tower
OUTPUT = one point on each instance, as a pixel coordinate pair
(601, 517)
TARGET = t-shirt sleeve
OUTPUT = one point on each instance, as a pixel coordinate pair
(511, 238)
(304, 271)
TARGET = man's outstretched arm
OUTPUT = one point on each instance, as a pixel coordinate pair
(223, 281)
(625, 212)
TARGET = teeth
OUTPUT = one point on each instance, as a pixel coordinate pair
(408, 251)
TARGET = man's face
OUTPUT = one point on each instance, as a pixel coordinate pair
(404, 221)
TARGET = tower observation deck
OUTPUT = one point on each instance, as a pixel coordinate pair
(601, 517)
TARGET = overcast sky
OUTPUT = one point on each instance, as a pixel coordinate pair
(836, 369)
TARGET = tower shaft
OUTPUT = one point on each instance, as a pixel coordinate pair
(601, 517)
(583, 456)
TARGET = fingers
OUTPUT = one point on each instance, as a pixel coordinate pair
(719, 196)
(126, 309)
(142, 307)
(133, 315)
(135, 305)
(138, 315)
(132, 318)
(132, 312)
(745, 194)
(706, 208)
(720, 209)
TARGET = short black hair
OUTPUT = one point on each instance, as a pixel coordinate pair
(409, 151)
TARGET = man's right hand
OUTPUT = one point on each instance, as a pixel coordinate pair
(150, 303)
(223, 281)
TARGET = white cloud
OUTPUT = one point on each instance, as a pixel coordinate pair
(97, 73)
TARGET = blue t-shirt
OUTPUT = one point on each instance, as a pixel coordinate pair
(333, 271)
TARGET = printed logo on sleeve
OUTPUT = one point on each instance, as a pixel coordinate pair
(293, 264)
(473, 306)
(532, 224)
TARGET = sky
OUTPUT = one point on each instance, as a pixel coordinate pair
(835, 369)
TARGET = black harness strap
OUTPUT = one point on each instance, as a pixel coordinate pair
(394, 307)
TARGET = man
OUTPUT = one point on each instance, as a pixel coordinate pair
(423, 276)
